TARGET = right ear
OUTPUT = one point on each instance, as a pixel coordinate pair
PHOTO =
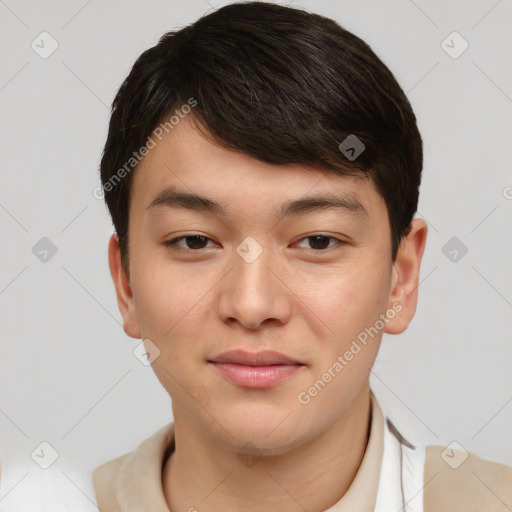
(123, 287)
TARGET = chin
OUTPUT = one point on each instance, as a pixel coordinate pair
(265, 436)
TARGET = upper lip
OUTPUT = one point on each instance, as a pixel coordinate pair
(264, 358)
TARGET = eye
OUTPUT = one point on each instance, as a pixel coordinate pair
(195, 242)
(320, 242)
(192, 242)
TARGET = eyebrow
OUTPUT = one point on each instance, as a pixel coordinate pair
(173, 198)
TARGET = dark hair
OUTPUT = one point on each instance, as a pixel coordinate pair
(280, 84)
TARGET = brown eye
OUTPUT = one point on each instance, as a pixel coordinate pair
(320, 242)
(193, 242)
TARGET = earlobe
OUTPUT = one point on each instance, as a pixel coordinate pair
(405, 277)
(123, 288)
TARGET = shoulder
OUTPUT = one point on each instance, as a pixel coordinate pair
(134, 477)
(104, 478)
(457, 480)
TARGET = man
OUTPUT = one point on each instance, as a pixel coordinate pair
(262, 170)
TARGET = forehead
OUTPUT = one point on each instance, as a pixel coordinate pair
(186, 168)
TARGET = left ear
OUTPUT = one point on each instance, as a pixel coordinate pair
(403, 296)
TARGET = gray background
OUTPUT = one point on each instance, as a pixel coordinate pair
(68, 375)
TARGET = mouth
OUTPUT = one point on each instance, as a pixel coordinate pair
(255, 370)
(264, 358)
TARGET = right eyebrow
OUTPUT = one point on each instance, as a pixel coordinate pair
(172, 198)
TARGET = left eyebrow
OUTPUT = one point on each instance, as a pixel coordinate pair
(173, 198)
(346, 201)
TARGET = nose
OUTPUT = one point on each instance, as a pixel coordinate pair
(254, 292)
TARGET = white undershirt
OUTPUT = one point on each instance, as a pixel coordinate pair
(408, 469)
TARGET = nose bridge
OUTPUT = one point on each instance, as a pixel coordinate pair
(252, 293)
(254, 282)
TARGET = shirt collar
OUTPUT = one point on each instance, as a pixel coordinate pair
(362, 493)
(139, 482)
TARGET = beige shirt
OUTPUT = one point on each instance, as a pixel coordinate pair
(133, 482)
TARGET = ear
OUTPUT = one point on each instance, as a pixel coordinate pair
(123, 287)
(403, 297)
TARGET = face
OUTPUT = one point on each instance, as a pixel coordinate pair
(258, 265)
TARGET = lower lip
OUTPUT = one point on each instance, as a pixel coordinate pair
(257, 376)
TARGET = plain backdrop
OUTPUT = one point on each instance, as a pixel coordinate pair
(68, 375)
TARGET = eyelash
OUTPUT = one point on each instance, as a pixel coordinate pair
(173, 242)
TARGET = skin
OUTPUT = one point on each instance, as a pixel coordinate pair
(306, 302)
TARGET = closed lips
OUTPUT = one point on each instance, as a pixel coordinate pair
(265, 358)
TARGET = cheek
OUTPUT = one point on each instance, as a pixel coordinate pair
(165, 296)
(350, 305)
(171, 307)
(347, 301)
(174, 309)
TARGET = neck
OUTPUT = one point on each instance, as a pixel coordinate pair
(202, 473)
